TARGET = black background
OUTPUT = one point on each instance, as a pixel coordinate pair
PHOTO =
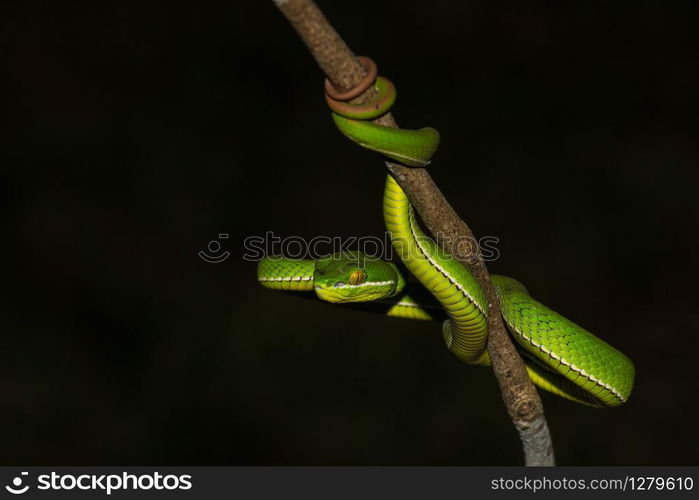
(136, 132)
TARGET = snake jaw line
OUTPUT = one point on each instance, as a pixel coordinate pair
(355, 277)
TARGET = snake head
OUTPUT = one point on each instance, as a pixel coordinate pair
(355, 277)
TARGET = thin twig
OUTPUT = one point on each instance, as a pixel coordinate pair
(521, 399)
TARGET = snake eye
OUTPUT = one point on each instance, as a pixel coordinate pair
(357, 277)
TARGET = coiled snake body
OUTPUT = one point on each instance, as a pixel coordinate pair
(560, 356)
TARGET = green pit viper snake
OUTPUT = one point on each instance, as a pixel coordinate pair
(560, 356)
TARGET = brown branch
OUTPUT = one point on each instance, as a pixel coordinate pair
(521, 399)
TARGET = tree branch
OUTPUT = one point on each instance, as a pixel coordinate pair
(519, 395)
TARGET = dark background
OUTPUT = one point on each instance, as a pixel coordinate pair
(139, 131)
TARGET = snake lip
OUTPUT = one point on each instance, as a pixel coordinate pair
(339, 284)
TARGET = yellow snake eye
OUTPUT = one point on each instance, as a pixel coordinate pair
(357, 277)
